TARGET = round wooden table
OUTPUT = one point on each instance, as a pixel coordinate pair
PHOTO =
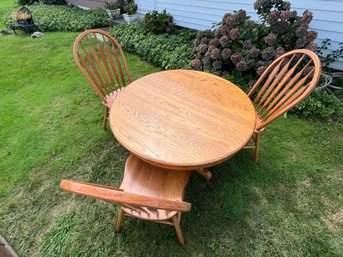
(182, 119)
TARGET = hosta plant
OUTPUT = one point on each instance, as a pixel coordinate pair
(63, 18)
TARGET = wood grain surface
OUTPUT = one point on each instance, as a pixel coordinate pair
(182, 119)
(147, 192)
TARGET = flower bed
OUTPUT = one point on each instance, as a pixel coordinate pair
(63, 18)
(248, 47)
(169, 51)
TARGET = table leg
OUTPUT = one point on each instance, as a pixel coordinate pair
(205, 173)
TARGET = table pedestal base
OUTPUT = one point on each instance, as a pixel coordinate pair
(205, 173)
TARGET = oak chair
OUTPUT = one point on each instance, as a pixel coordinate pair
(286, 82)
(147, 192)
(101, 60)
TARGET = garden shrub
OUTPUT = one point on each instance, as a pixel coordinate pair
(64, 18)
(131, 8)
(25, 2)
(320, 104)
(52, 2)
(158, 23)
(123, 5)
(332, 56)
(169, 51)
(240, 44)
(48, 2)
(111, 5)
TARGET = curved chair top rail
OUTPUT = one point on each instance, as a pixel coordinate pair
(101, 60)
(136, 202)
(287, 81)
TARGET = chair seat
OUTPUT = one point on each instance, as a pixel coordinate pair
(145, 179)
(110, 97)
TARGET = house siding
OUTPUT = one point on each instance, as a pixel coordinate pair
(88, 4)
(202, 14)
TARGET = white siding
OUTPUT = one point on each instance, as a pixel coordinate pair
(145, 6)
(202, 14)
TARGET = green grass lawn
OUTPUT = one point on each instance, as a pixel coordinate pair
(289, 205)
(5, 5)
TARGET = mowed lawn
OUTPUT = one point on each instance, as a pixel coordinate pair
(5, 5)
(50, 129)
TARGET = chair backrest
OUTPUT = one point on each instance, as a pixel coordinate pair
(101, 60)
(286, 82)
(137, 203)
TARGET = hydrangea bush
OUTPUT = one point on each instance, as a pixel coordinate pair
(158, 23)
(246, 47)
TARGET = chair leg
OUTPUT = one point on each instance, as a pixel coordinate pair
(105, 118)
(205, 173)
(257, 149)
(120, 220)
(178, 229)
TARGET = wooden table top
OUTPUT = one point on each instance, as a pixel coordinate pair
(182, 119)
